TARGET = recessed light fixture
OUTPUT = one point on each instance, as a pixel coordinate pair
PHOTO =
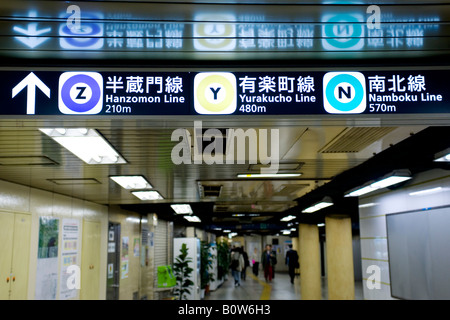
(74, 181)
(26, 161)
(389, 180)
(268, 175)
(147, 195)
(182, 208)
(86, 144)
(132, 182)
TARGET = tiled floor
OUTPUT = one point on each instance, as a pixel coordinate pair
(256, 288)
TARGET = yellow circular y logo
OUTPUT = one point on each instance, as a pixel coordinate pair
(215, 93)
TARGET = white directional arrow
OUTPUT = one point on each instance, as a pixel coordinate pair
(33, 39)
(31, 81)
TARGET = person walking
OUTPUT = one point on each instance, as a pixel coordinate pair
(237, 264)
(268, 260)
(246, 264)
(292, 262)
(255, 261)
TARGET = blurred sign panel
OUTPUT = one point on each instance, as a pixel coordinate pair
(196, 30)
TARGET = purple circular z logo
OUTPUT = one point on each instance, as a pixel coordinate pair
(80, 93)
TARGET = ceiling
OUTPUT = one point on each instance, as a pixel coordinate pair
(321, 153)
(232, 35)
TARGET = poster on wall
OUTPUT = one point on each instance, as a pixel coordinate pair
(136, 247)
(124, 263)
(110, 270)
(125, 246)
(47, 262)
(124, 269)
(69, 256)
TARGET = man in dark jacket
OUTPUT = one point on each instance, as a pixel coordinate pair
(292, 262)
(268, 260)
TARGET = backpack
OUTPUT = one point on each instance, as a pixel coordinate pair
(235, 261)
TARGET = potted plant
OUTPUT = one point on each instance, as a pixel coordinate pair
(206, 260)
(223, 260)
(182, 272)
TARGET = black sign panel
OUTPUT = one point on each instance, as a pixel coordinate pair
(79, 93)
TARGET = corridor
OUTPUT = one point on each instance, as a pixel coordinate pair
(256, 288)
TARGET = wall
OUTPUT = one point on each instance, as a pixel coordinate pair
(18, 198)
(140, 282)
(374, 249)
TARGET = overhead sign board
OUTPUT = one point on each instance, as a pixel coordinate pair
(78, 93)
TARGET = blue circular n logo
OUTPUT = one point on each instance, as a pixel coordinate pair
(344, 92)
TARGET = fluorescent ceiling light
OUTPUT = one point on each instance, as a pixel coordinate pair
(285, 232)
(389, 182)
(132, 182)
(232, 234)
(426, 192)
(192, 218)
(367, 205)
(133, 219)
(268, 175)
(360, 192)
(443, 156)
(321, 224)
(319, 206)
(147, 195)
(86, 144)
(182, 208)
(288, 218)
(380, 184)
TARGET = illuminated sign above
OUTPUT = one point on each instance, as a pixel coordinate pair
(78, 93)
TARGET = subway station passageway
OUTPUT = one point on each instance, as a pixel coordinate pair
(256, 288)
(143, 143)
